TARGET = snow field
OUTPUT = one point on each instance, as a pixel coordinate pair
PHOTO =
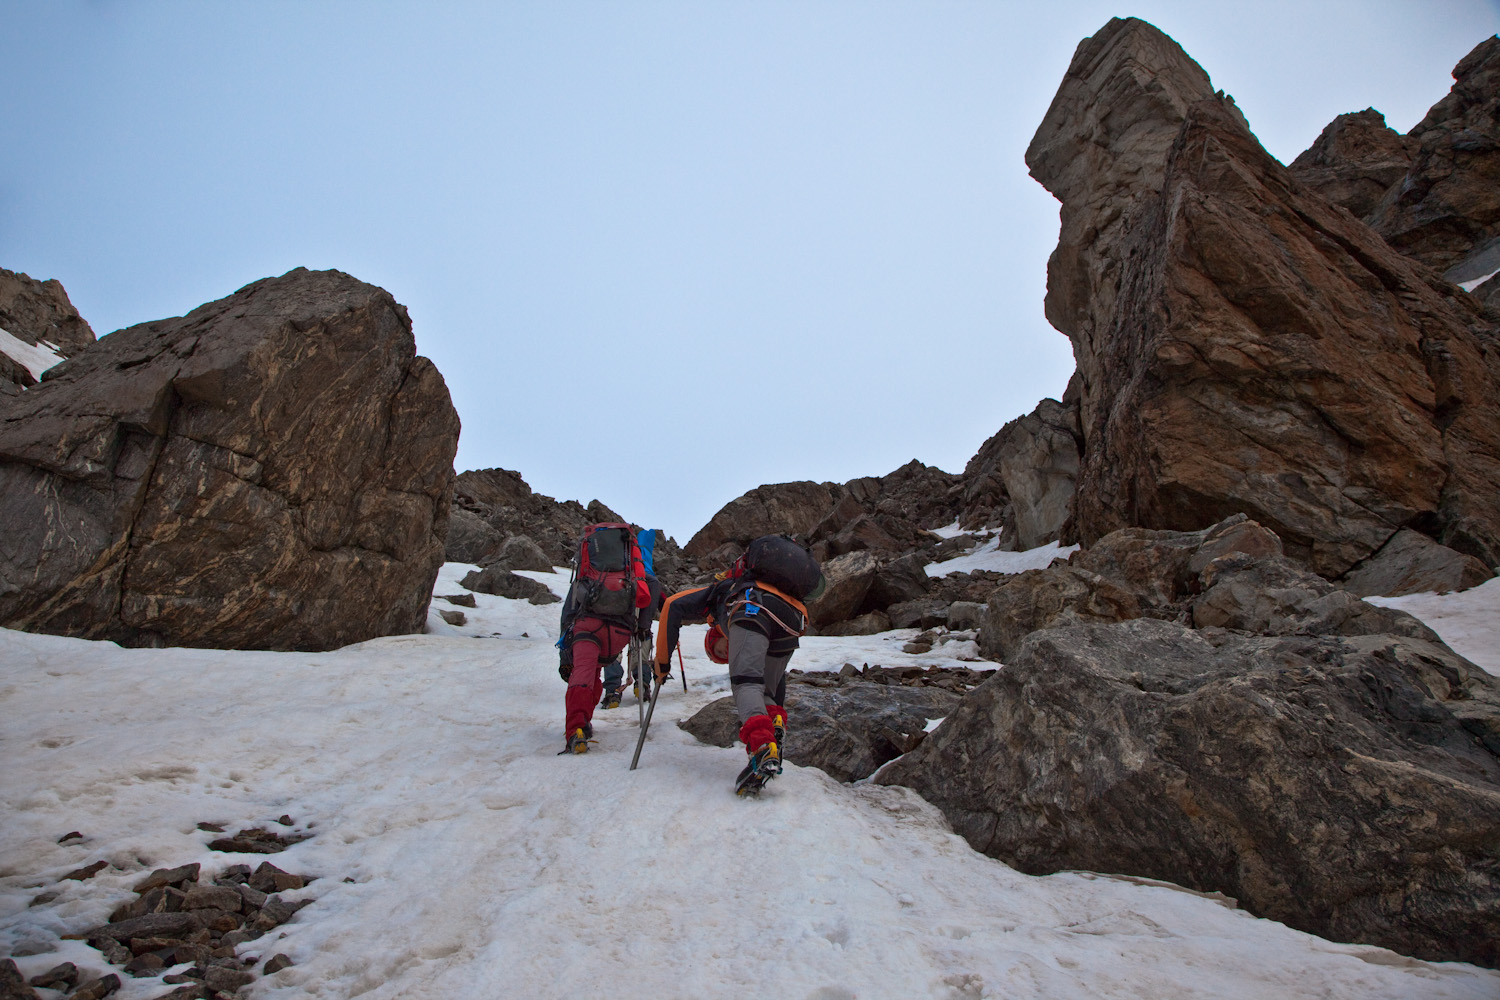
(484, 865)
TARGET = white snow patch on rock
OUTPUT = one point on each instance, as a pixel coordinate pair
(35, 358)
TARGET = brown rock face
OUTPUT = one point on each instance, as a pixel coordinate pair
(1355, 161)
(1449, 202)
(35, 312)
(498, 506)
(271, 471)
(793, 508)
(1242, 346)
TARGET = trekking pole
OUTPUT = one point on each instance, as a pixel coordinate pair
(645, 725)
(682, 667)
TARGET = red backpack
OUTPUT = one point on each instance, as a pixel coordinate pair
(608, 578)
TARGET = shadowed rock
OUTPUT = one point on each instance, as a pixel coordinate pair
(1345, 786)
(847, 731)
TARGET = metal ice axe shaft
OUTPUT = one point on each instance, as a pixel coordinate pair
(655, 693)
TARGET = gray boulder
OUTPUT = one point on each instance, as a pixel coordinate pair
(924, 613)
(902, 579)
(848, 578)
(1412, 563)
(520, 552)
(964, 615)
(871, 623)
(1346, 786)
(1028, 469)
(470, 538)
(501, 582)
(1271, 596)
(847, 731)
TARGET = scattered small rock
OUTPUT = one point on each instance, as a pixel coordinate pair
(57, 977)
(96, 989)
(227, 980)
(203, 897)
(285, 820)
(13, 984)
(455, 618)
(255, 841)
(276, 963)
(269, 878)
(462, 600)
(86, 872)
(75, 835)
(211, 827)
(168, 876)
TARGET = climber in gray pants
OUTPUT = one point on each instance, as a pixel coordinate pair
(757, 678)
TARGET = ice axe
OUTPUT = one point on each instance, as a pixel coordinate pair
(646, 724)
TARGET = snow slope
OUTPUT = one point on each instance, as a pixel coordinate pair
(461, 857)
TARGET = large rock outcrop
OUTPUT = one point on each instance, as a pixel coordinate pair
(792, 508)
(888, 515)
(38, 314)
(1231, 575)
(500, 505)
(1448, 203)
(1355, 161)
(271, 471)
(1242, 345)
(1347, 786)
(498, 520)
(1023, 478)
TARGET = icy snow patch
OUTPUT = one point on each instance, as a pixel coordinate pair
(1468, 621)
(35, 358)
(1469, 286)
(989, 557)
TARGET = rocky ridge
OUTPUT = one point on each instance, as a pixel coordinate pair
(37, 314)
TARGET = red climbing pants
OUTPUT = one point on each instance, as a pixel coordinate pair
(595, 643)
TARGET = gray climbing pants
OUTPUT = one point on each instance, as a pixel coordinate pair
(754, 676)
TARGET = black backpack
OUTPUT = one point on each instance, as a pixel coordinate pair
(783, 563)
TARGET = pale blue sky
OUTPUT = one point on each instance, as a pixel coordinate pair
(662, 252)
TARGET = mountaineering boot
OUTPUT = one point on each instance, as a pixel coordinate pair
(764, 765)
(778, 725)
(578, 742)
(611, 699)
